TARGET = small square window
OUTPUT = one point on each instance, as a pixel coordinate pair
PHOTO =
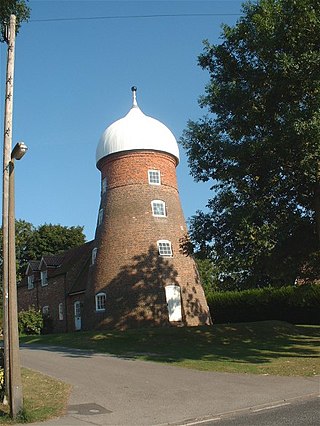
(158, 208)
(154, 177)
(164, 248)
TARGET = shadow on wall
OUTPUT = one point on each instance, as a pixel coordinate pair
(195, 305)
(136, 296)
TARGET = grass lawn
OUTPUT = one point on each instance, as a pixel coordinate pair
(44, 398)
(266, 347)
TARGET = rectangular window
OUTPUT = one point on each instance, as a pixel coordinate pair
(158, 208)
(154, 177)
(164, 248)
(60, 311)
(45, 310)
(30, 282)
(93, 256)
(104, 185)
(101, 302)
(100, 217)
(44, 278)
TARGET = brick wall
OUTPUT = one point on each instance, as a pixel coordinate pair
(128, 267)
(50, 295)
(130, 168)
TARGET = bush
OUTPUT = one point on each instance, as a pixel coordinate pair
(298, 305)
(30, 321)
(2, 387)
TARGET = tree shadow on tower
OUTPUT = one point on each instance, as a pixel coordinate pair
(136, 296)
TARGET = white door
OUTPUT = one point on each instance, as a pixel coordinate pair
(77, 315)
(173, 297)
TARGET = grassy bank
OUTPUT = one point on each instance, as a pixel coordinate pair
(267, 347)
(44, 398)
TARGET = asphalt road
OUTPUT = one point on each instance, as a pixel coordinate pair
(296, 412)
(109, 390)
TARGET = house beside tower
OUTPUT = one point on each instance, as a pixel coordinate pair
(134, 272)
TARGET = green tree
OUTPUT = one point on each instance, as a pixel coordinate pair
(24, 240)
(52, 239)
(259, 144)
(208, 274)
(34, 242)
(15, 7)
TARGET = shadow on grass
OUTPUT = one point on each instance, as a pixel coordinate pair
(255, 343)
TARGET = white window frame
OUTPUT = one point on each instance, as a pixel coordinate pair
(60, 310)
(45, 310)
(154, 208)
(151, 175)
(30, 282)
(94, 255)
(104, 185)
(100, 217)
(44, 278)
(164, 248)
(101, 301)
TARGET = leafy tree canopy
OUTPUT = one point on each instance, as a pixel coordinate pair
(15, 7)
(34, 242)
(259, 144)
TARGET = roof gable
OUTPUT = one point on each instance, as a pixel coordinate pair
(33, 265)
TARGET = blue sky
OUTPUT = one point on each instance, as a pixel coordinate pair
(73, 79)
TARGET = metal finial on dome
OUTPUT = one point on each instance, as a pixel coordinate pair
(134, 96)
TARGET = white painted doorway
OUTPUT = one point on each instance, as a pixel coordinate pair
(173, 297)
(77, 315)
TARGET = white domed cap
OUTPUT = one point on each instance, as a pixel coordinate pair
(136, 131)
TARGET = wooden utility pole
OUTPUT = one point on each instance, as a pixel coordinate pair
(13, 389)
(15, 384)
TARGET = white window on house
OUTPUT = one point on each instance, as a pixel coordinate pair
(93, 256)
(158, 208)
(60, 311)
(30, 282)
(164, 248)
(104, 185)
(100, 217)
(154, 177)
(45, 310)
(44, 278)
(101, 302)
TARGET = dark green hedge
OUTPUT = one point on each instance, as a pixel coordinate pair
(298, 305)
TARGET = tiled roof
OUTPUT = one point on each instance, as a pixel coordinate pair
(54, 260)
(34, 264)
(73, 262)
(76, 265)
(77, 277)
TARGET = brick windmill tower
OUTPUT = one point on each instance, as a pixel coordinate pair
(139, 275)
